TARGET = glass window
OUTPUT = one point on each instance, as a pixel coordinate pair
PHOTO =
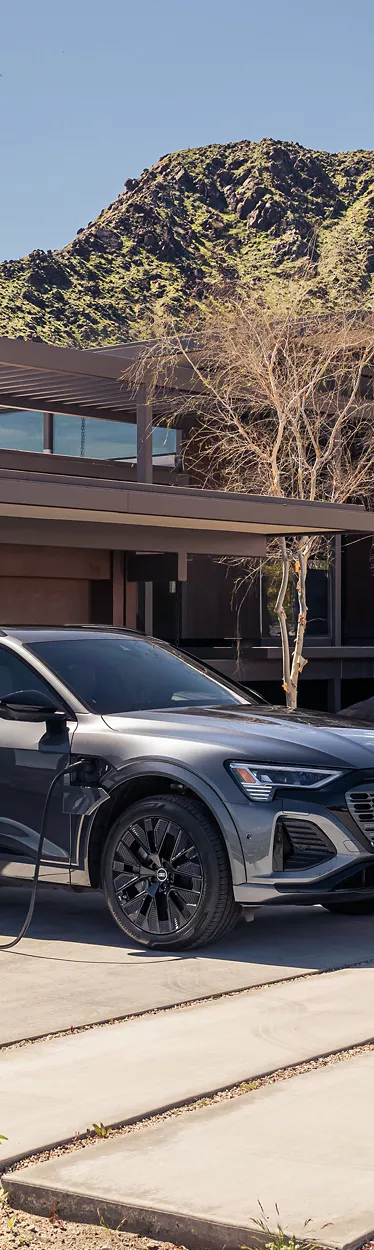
(126, 674)
(105, 440)
(357, 593)
(317, 589)
(21, 431)
(16, 675)
(101, 440)
(317, 593)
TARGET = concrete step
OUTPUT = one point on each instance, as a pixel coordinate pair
(53, 1089)
(303, 1148)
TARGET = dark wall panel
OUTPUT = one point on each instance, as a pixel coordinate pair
(209, 611)
(44, 601)
(357, 591)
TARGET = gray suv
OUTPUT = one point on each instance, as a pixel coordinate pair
(192, 798)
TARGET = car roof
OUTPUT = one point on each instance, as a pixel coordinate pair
(28, 633)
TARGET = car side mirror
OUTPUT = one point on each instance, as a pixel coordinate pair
(33, 706)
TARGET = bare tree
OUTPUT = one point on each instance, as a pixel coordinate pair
(281, 404)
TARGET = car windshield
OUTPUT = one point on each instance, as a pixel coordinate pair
(127, 674)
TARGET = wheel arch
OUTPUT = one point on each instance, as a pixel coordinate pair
(142, 778)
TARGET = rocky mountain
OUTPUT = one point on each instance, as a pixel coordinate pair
(252, 210)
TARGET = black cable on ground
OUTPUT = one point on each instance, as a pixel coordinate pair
(8, 946)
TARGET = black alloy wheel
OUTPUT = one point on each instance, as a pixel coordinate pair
(166, 874)
(157, 875)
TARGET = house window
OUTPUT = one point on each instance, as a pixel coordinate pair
(318, 599)
(21, 431)
(106, 440)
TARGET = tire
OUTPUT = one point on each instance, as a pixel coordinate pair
(188, 908)
(363, 907)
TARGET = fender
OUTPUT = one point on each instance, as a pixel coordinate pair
(117, 778)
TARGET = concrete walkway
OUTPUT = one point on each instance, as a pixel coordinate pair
(53, 1089)
(305, 1144)
(75, 966)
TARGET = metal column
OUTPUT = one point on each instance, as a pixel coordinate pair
(337, 617)
(48, 432)
(118, 587)
(144, 473)
(143, 438)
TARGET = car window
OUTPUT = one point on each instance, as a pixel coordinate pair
(15, 675)
(127, 674)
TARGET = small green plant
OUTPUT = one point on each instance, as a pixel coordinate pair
(12, 1219)
(278, 1238)
(100, 1130)
(281, 1241)
(105, 1226)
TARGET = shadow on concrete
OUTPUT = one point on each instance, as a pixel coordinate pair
(75, 967)
(306, 937)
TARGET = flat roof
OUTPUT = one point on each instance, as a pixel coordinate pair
(34, 490)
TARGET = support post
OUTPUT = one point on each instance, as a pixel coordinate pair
(337, 619)
(148, 607)
(336, 686)
(182, 594)
(337, 592)
(131, 604)
(144, 473)
(48, 433)
(182, 566)
(118, 586)
(143, 438)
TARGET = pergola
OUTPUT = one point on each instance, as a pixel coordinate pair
(81, 383)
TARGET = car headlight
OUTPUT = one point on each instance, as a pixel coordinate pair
(259, 781)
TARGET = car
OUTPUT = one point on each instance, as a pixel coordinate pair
(188, 800)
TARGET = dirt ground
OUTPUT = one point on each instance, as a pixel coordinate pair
(19, 1231)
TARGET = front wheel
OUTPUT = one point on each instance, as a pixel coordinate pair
(166, 874)
(363, 907)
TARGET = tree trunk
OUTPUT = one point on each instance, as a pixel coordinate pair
(298, 660)
(282, 618)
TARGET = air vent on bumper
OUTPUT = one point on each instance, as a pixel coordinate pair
(360, 804)
(300, 844)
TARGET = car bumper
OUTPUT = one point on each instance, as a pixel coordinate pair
(347, 889)
(343, 867)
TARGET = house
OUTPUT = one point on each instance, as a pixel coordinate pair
(99, 523)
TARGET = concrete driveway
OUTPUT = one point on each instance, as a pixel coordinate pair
(75, 967)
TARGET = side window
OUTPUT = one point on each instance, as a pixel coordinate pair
(16, 675)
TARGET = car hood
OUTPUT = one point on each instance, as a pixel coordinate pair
(266, 734)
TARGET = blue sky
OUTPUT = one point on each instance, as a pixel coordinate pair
(91, 93)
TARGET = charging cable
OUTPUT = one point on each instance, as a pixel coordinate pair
(8, 946)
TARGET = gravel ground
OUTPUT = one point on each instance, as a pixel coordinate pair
(19, 1230)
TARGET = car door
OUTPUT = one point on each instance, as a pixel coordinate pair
(29, 759)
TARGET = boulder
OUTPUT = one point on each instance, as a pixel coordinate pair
(267, 214)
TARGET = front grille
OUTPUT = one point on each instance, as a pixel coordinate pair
(360, 804)
(300, 844)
